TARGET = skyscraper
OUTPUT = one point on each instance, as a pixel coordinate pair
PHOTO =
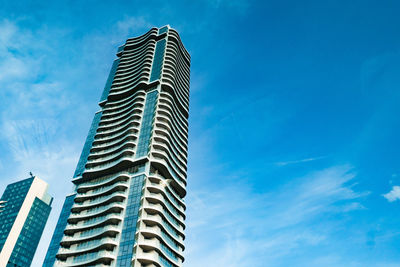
(26, 208)
(128, 207)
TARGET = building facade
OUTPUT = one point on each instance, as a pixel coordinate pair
(128, 206)
(26, 208)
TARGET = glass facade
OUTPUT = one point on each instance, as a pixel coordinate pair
(26, 209)
(88, 145)
(14, 195)
(165, 262)
(110, 78)
(163, 30)
(147, 124)
(58, 232)
(158, 60)
(32, 230)
(125, 254)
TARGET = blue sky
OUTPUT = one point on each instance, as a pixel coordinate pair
(294, 125)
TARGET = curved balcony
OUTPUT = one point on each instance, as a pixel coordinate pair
(117, 104)
(131, 104)
(182, 62)
(113, 120)
(154, 244)
(174, 82)
(166, 87)
(159, 139)
(118, 196)
(114, 207)
(131, 87)
(87, 247)
(163, 136)
(174, 36)
(131, 116)
(104, 257)
(162, 145)
(170, 241)
(115, 165)
(166, 105)
(163, 125)
(178, 68)
(160, 197)
(148, 258)
(178, 139)
(163, 185)
(112, 219)
(132, 59)
(126, 144)
(162, 133)
(132, 72)
(163, 117)
(157, 189)
(167, 99)
(112, 132)
(156, 219)
(134, 41)
(137, 101)
(178, 182)
(108, 230)
(99, 190)
(126, 152)
(137, 45)
(110, 127)
(158, 209)
(106, 143)
(102, 181)
(141, 73)
(162, 155)
(177, 62)
(172, 78)
(180, 98)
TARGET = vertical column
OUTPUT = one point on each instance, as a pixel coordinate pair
(147, 124)
(125, 253)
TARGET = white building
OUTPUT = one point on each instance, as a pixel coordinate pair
(25, 209)
(128, 207)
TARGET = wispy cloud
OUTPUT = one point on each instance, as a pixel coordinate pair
(43, 97)
(13, 63)
(33, 134)
(290, 162)
(393, 195)
(130, 25)
(243, 228)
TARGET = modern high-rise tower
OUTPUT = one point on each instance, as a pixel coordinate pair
(128, 207)
(26, 207)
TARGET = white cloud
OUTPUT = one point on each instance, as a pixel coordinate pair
(133, 24)
(43, 95)
(33, 134)
(35, 147)
(393, 195)
(237, 227)
(284, 163)
(8, 30)
(16, 46)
